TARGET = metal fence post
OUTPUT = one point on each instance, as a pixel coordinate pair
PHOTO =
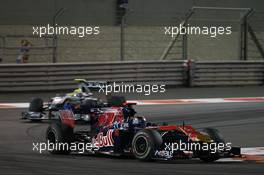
(184, 47)
(122, 39)
(244, 34)
(55, 38)
(3, 47)
(243, 39)
(54, 48)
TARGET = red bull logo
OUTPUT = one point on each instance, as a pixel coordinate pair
(104, 141)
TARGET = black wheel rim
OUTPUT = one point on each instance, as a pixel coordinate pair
(141, 145)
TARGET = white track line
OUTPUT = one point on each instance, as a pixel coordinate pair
(13, 105)
(229, 160)
(164, 102)
(253, 151)
(198, 101)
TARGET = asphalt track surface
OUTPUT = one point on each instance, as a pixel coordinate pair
(240, 123)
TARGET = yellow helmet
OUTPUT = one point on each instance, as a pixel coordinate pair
(76, 91)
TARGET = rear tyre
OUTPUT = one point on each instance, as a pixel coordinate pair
(145, 143)
(218, 138)
(61, 135)
(36, 105)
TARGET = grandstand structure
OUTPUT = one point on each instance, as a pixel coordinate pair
(137, 34)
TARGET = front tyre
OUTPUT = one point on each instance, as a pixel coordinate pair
(36, 105)
(217, 138)
(210, 158)
(144, 144)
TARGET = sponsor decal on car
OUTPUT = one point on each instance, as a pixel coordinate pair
(102, 140)
(164, 154)
(67, 117)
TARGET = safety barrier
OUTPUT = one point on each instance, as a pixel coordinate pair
(228, 73)
(44, 77)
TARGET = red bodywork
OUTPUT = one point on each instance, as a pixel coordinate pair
(67, 117)
(113, 115)
(110, 116)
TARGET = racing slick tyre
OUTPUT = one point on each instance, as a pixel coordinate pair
(116, 101)
(218, 138)
(214, 134)
(61, 136)
(36, 105)
(145, 143)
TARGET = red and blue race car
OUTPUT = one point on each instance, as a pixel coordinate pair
(117, 130)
